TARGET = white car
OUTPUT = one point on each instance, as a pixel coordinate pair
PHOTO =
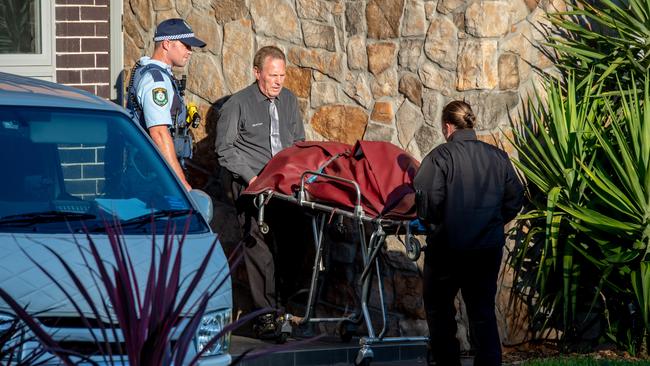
(74, 163)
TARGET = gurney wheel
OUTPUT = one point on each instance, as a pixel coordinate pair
(264, 228)
(364, 362)
(413, 249)
(364, 356)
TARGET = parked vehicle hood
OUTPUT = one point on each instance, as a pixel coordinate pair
(29, 286)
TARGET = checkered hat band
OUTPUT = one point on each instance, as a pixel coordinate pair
(174, 37)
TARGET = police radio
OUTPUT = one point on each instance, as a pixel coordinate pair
(193, 118)
(182, 84)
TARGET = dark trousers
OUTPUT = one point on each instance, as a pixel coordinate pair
(282, 249)
(475, 274)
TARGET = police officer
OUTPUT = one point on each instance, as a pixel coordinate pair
(155, 96)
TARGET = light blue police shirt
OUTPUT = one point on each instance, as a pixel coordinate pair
(156, 97)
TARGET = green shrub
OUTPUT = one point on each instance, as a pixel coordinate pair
(580, 362)
(607, 36)
(583, 263)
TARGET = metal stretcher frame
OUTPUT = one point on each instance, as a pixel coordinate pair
(369, 252)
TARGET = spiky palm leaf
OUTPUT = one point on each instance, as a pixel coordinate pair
(586, 157)
(553, 141)
(612, 37)
(620, 219)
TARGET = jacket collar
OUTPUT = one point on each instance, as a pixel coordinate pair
(259, 96)
(145, 60)
(463, 135)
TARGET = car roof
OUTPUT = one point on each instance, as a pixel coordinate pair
(23, 91)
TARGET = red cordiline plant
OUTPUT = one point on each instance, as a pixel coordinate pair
(147, 320)
(13, 336)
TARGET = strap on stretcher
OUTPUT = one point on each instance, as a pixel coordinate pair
(313, 178)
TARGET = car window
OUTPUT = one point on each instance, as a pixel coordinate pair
(67, 169)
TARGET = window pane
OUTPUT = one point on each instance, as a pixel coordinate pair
(20, 22)
(98, 164)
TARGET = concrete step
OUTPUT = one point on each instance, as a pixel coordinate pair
(325, 351)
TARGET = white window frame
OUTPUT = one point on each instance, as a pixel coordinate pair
(39, 65)
(117, 47)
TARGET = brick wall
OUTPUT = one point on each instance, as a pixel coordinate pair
(82, 45)
(83, 169)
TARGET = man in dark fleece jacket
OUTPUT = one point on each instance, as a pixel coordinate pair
(467, 191)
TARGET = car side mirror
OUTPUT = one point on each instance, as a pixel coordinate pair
(203, 202)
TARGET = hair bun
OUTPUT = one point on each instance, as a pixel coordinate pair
(470, 119)
(459, 114)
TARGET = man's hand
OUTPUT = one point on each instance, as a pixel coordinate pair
(163, 140)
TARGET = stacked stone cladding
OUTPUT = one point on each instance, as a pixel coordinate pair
(82, 45)
(362, 69)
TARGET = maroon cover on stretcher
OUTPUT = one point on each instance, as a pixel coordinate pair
(383, 172)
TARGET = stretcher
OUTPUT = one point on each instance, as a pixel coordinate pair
(370, 184)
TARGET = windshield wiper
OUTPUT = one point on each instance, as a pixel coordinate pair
(142, 220)
(155, 216)
(44, 217)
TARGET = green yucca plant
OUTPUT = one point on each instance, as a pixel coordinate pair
(610, 36)
(552, 141)
(619, 219)
(583, 262)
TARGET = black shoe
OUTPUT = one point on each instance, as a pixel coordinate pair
(265, 326)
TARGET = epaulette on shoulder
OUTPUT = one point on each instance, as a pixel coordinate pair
(156, 75)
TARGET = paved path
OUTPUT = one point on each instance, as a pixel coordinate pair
(464, 362)
(329, 351)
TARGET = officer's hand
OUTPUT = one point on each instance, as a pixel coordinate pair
(186, 185)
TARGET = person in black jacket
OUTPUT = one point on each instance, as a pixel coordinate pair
(466, 191)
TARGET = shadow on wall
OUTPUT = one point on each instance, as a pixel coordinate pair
(206, 174)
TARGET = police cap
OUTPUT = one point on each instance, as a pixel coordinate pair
(177, 29)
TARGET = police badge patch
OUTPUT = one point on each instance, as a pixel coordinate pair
(160, 96)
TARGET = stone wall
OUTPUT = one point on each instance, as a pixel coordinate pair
(362, 69)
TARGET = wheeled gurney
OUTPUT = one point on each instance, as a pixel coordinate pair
(370, 184)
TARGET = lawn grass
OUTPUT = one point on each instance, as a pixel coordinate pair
(581, 362)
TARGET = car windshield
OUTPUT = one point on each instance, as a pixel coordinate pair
(76, 170)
